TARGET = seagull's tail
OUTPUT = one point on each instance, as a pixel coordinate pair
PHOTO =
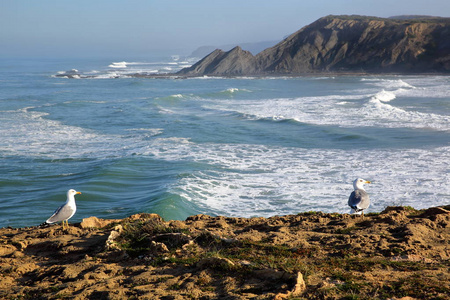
(44, 225)
(355, 212)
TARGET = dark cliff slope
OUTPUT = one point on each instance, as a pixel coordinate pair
(231, 63)
(343, 44)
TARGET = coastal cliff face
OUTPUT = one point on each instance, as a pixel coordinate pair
(343, 44)
(234, 62)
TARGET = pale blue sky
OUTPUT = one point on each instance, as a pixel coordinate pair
(138, 27)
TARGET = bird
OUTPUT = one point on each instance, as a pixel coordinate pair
(66, 211)
(359, 199)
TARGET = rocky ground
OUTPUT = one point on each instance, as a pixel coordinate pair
(400, 253)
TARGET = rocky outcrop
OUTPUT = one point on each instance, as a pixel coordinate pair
(234, 62)
(343, 44)
(254, 48)
(398, 253)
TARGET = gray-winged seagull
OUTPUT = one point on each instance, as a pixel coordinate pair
(359, 199)
(66, 211)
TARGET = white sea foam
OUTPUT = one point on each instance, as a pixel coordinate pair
(377, 112)
(124, 69)
(119, 65)
(149, 131)
(205, 77)
(360, 110)
(394, 84)
(249, 180)
(244, 179)
(73, 71)
(171, 98)
(256, 179)
(27, 132)
(384, 96)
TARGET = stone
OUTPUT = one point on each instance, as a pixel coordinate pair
(215, 262)
(94, 222)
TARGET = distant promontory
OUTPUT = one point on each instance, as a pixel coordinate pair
(343, 44)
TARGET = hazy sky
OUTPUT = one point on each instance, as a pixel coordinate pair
(137, 27)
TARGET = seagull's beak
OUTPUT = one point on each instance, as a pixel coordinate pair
(79, 193)
(365, 182)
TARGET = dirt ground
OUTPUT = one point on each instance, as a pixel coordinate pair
(400, 253)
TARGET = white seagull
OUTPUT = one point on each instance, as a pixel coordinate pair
(359, 199)
(66, 211)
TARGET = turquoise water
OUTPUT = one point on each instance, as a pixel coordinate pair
(220, 146)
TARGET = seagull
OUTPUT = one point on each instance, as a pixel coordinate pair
(359, 199)
(66, 211)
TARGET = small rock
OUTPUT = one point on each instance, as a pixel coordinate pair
(18, 254)
(270, 274)
(113, 235)
(199, 217)
(178, 224)
(300, 286)
(6, 250)
(246, 263)
(156, 247)
(215, 262)
(21, 245)
(298, 289)
(329, 283)
(94, 222)
(118, 228)
(146, 217)
(413, 258)
(110, 242)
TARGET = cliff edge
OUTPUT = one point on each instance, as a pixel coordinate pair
(400, 252)
(343, 44)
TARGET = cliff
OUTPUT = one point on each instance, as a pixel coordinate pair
(254, 48)
(398, 253)
(231, 63)
(343, 44)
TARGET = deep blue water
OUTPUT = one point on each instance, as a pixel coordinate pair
(221, 146)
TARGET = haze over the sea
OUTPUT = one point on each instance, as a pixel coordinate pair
(123, 29)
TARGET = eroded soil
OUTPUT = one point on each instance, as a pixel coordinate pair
(400, 252)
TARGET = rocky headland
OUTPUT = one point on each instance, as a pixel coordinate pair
(342, 44)
(400, 253)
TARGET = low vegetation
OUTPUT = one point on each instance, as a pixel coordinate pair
(397, 253)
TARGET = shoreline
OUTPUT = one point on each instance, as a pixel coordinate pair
(255, 76)
(313, 255)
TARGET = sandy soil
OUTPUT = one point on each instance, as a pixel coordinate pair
(400, 253)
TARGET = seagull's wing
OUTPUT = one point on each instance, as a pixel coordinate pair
(359, 200)
(62, 213)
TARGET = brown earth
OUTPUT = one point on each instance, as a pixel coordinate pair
(400, 253)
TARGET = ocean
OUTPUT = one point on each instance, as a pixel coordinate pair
(239, 147)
